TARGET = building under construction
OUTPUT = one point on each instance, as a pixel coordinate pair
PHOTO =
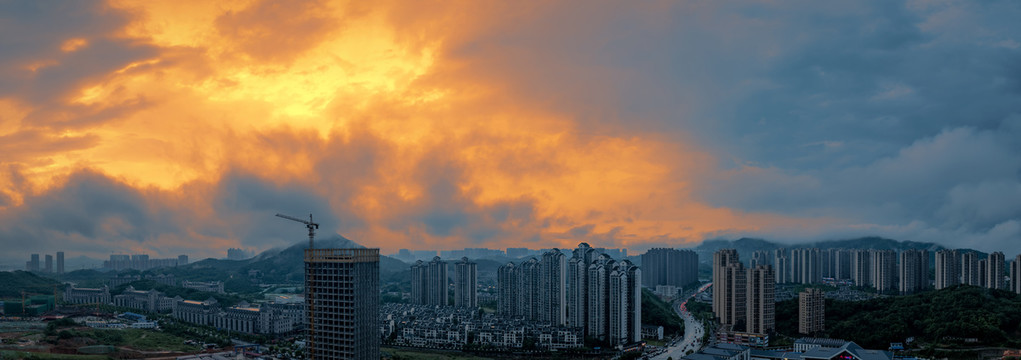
(342, 293)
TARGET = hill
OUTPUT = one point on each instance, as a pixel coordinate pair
(272, 266)
(659, 313)
(746, 246)
(934, 317)
(12, 283)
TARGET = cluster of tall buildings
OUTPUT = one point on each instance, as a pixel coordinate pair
(430, 283)
(142, 262)
(884, 270)
(954, 267)
(673, 267)
(34, 265)
(743, 299)
(590, 291)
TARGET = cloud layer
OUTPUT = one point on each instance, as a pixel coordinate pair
(175, 127)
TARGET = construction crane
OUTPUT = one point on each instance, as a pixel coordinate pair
(312, 226)
(309, 290)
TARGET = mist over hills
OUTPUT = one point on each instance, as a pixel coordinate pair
(746, 246)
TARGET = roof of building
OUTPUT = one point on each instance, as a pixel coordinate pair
(851, 348)
(824, 342)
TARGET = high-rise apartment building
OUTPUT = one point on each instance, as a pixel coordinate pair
(884, 270)
(994, 271)
(947, 269)
(661, 266)
(528, 289)
(761, 306)
(182, 260)
(33, 264)
(734, 300)
(829, 263)
(577, 282)
(507, 290)
(429, 282)
(553, 288)
(724, 296)
(625, 299)
(914, 271)
(419, 270)
(782, 266)
(811, 266)
(342, 297)
(60, 262)
(466, 283)
(599, 297)
(437, 285)
(1015, 274)
(843, 264)
(759, 257)
(861, 267)
(811, 311)
(969, 269)
(49, 263)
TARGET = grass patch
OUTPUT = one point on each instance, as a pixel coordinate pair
(138, 339)
(401, 354)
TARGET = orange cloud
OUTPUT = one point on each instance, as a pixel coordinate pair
(387, 114)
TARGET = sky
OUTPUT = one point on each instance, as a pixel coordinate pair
(182, 127)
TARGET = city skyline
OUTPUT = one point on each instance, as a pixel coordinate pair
(152, 128)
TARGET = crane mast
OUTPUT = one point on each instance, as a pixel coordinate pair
(312, 226)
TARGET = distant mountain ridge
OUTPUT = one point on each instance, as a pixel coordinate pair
(746, 246)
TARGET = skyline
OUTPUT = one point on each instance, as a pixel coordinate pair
(181, 128)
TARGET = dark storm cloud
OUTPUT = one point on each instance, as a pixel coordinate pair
(33, 65)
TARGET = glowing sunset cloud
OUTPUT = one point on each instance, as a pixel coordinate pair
(170, 127)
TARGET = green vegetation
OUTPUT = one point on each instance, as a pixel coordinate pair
(12, 283)
(656, 312)
(993, 317)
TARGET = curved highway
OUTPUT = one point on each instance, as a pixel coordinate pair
(693, 331)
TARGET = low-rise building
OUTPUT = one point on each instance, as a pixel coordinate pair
(196, 312)
(145, 300)
(207, 286)
(76, 295)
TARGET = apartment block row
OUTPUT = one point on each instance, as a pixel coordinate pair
(591, 292)
(905, 272)
(430, 283)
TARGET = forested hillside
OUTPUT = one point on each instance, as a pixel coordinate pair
(941, 317)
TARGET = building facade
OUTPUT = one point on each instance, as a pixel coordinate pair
(342, 296)
(553, 288)
(994, 271)
(913, 271)
(761, 308)
(947, 269)
(466, 284)
(811, 311)
(661, 266)
(76, 295)
(884, 270)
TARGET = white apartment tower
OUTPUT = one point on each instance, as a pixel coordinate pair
(466, 283)
(994, 271)
(761, 304)
(914, 271)
(947, 269)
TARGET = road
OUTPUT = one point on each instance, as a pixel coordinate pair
(692, 332)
